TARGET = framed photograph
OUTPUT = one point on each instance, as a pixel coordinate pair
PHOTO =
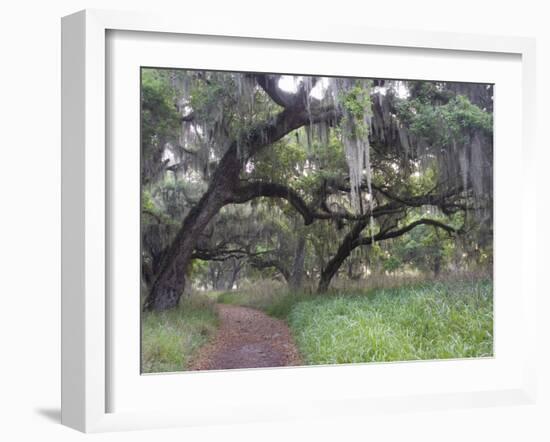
(266, 223)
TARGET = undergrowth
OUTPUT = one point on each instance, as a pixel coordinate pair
(170, 339)
(430, 320)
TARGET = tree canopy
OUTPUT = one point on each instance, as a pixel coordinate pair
(248, 176)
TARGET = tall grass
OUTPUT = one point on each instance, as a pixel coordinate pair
(429, 321)
(417, 321)
(170, 339)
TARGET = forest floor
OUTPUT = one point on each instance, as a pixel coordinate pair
(247, 338)
(263, 328)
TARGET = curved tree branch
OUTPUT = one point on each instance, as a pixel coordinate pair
(353, 240)
(399, 232)
(253, 190)
(272, 190)
(270, 84)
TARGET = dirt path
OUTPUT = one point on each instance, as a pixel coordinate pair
(247, 338)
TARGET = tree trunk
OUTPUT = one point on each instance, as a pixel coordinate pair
(343, 252)
(236, 269)
(352, 240)
(437, 266)
(297, 273)
(350, 270)
(331, 269)
(219, 277)
(170, 282)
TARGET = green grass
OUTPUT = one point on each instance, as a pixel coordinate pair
(430, 321)
(422, 321)
(282, 306)
(170, 339)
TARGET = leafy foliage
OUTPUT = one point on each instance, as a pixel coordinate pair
(189, 118)
(447, 123)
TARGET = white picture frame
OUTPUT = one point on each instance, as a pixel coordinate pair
(86, 315)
